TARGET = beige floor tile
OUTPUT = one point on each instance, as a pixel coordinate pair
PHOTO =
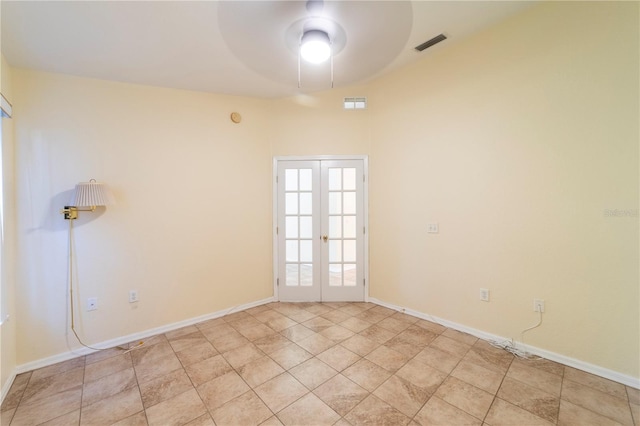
(574, 415)
(601, 384)
(536, 377)
(185, 341)
(247, 409)
(537, 363)
(150, 369)
(504, 413)
(301, 315)
(41, 410)
(338, 357)
(165, 387)
(268, 315)
(401, 345)
(335, 316)
(431, 326)
(107, 366)
(218, 331)
(177, 410)
(367, 374)
(259, 371)
(290, 356)
(405, 317)
(373, 411)
(387, 358)
(440, 360)
(272, 343)
(352, 309)
(229, 342)
(540, 403)
(272, 421)
(600, 402)
(72, 418)
(319, 309)
(371, 316)
(341, 394)
(635, 413)
(198, 352)
(138, 419)
(633, 395)
(213, 322)
(377, 334)
(243, 355)
(355, 324)
(477, 376)
(465, 338)
(360, 345)
(203, 420)
(437, 412)
(148, 354)
(312, 373)
(52, 384)
(257, 332)
(113, 408)
(209, 369)
(337, 333)
(464, 396)
(183, 331)
(280, 324)
(6, 416)
(221, 390)
(422, 375)
(96, 390)
(402, 395)
(308, 410)
(491, 358)
(13, 397)
(417, 336)
(451, 346)
(59, 368)
(316, 344)
(317, 324)
(103, 354)
(297, 333)
(394, 325)
(281, 391)
(244, 322)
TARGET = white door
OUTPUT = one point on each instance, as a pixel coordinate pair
(320, 230)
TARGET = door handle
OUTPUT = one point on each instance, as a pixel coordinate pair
(325, 238)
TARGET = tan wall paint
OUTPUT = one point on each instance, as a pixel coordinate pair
(317, 124)
(191, 227)
(516, 141)
(8, 269)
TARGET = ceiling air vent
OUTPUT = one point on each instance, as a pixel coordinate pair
(355, 103)
(437, 39)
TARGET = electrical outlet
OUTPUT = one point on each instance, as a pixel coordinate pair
(433, 228)
(538, 305)
(133, 296)
(484, 294)
(92, 303)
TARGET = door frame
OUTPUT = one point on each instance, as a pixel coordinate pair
(274, 202)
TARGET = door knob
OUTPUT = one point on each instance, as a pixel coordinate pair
(325, 238)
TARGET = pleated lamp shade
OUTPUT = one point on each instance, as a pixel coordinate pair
(88, 194)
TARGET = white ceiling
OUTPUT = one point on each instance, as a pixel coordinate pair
(233, 47)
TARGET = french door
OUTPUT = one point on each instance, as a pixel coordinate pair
(320, 230)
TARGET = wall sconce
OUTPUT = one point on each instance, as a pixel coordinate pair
(86, 197)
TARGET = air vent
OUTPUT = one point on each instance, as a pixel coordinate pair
(355, 103)
(437, 39)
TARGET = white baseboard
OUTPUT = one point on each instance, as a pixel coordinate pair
(631, 381)
(7, 386)
(44, 362)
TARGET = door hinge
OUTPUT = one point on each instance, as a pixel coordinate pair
(276, 178)
(364, 282)
(278, 282)
(364, 230)
(364, 179)
(277, 230)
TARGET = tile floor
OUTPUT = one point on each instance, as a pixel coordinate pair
(315, 364)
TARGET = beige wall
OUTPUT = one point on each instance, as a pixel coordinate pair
(516, 142)
(190, 230)
(7, 269)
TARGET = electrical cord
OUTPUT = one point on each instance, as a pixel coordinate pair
(510, 346)
(71, 305)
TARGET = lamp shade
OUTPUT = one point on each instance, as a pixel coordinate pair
(315, 46)
(91, 193)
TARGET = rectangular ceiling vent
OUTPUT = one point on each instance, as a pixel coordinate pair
(437, 39)
(355, 103)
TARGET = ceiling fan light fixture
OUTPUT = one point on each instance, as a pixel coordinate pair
(315, 46)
